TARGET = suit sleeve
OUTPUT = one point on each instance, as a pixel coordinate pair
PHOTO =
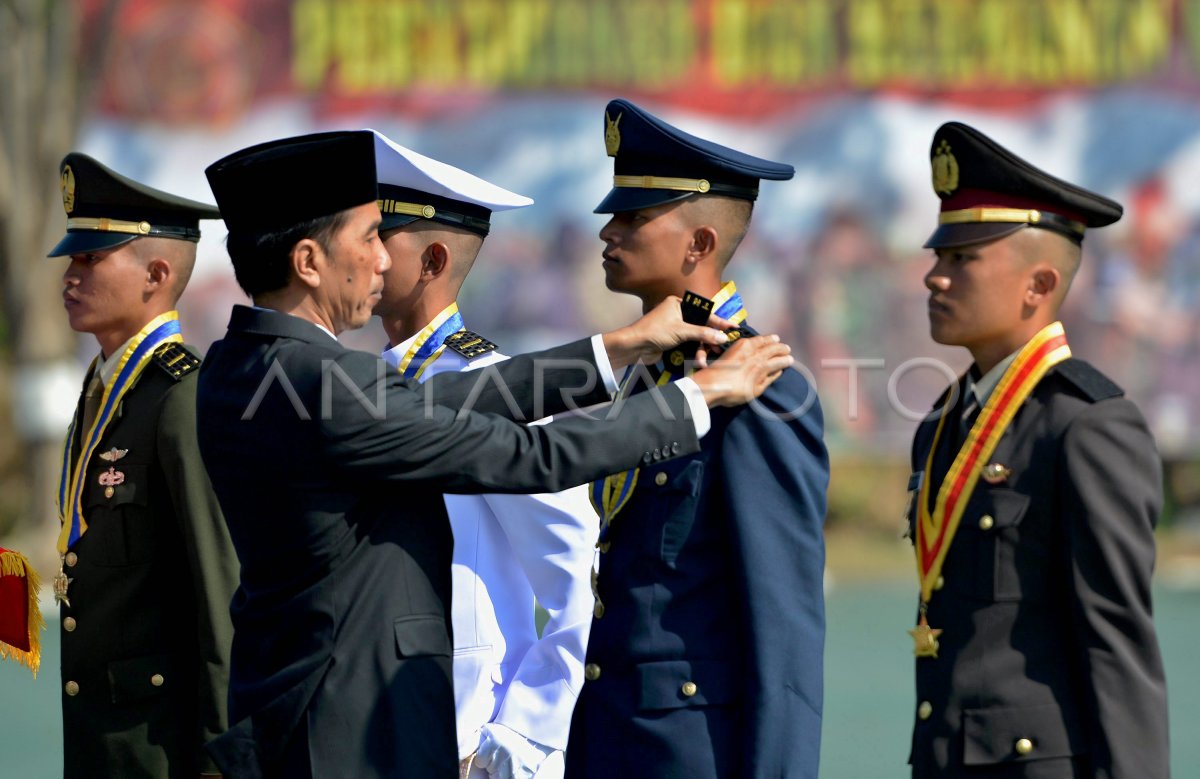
(775, 476)
(1112, 496)
(527, 386)
(553, 537)
(211, 561)
(413, 439)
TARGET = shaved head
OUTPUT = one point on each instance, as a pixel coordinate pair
(1035, 245)
(729, 216)
(180, 255)
(464, 245)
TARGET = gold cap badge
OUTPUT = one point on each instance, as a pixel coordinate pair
(612, 136)
(67, 184)
(945, 170)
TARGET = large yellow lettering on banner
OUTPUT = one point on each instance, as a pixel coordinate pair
(371, 46)
(366, 46)
(788, 45)
(1004, 43)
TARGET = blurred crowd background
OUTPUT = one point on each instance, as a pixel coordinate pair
(1105, 93)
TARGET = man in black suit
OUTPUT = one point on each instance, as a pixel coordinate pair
(331, 468)
(1036, 487)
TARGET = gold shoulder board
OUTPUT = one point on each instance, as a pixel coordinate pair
(176, 360)
(468, 344)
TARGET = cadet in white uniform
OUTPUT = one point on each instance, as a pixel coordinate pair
(514, 693)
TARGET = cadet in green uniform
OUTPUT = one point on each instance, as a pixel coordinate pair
(147, 566)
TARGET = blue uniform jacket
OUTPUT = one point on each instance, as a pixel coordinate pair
(707, 658)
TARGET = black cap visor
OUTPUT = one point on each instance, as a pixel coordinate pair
(396, 221)
(964, 234)
(635, 198)
(85, 241)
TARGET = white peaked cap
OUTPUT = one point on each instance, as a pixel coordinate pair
(399, 166)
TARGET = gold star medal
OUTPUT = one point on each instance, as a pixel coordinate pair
(925, 638)
(61, 583)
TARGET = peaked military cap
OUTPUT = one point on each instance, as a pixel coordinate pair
(278, 184)
(657, 163)
(105, 209)
(413, 186)
(988, 192)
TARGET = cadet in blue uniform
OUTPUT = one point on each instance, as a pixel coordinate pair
(148, 569)
(341, 654)
(705, 658)
(1036, 487)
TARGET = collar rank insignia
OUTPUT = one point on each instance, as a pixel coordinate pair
(612, 136)
(114, 454)
(176, 360)
(945, 170)
(469, 345)
(996, 473)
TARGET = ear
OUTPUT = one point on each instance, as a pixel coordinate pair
(158, 274)
(1042, 284)
(435, 261)
(703, 245)
(306, 258)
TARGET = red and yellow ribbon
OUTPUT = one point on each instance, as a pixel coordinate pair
(936, 529)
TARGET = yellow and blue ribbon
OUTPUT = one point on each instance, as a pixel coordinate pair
(610, 494)
(429, 343)
(162, 329)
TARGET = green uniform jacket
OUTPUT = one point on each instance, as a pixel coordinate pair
(145, 640)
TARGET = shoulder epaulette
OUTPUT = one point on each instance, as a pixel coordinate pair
(1091, 382)
(469, 345)
(175, 360)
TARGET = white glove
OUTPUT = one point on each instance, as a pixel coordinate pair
(506, 754)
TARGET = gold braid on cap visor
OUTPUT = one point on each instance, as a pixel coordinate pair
(1011, 215)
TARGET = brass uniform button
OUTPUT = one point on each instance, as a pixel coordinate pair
(72, 688)
(71, 559)
(1023, 746)
(157, 680)
(689, 689)
(69, 624)
(925, 710)
(598, 610)
(591, 672)
(986, 522)
(660, 478)
(940, 583)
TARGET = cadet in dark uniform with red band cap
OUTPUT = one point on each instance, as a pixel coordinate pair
(147, 566)
(1035, 491)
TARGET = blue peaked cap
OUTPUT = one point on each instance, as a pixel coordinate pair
(656, 163)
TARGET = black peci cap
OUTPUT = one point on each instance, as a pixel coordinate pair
(275, 185)
(656, 163)
(105, 209)
(988, 192)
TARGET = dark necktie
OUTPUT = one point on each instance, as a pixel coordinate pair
(91, 403)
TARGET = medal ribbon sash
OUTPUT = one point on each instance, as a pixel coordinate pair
(428, 345)
(936, 529)
(610, 494)
(727, 304)
(160, 330)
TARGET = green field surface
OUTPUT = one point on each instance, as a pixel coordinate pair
(868, 688)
